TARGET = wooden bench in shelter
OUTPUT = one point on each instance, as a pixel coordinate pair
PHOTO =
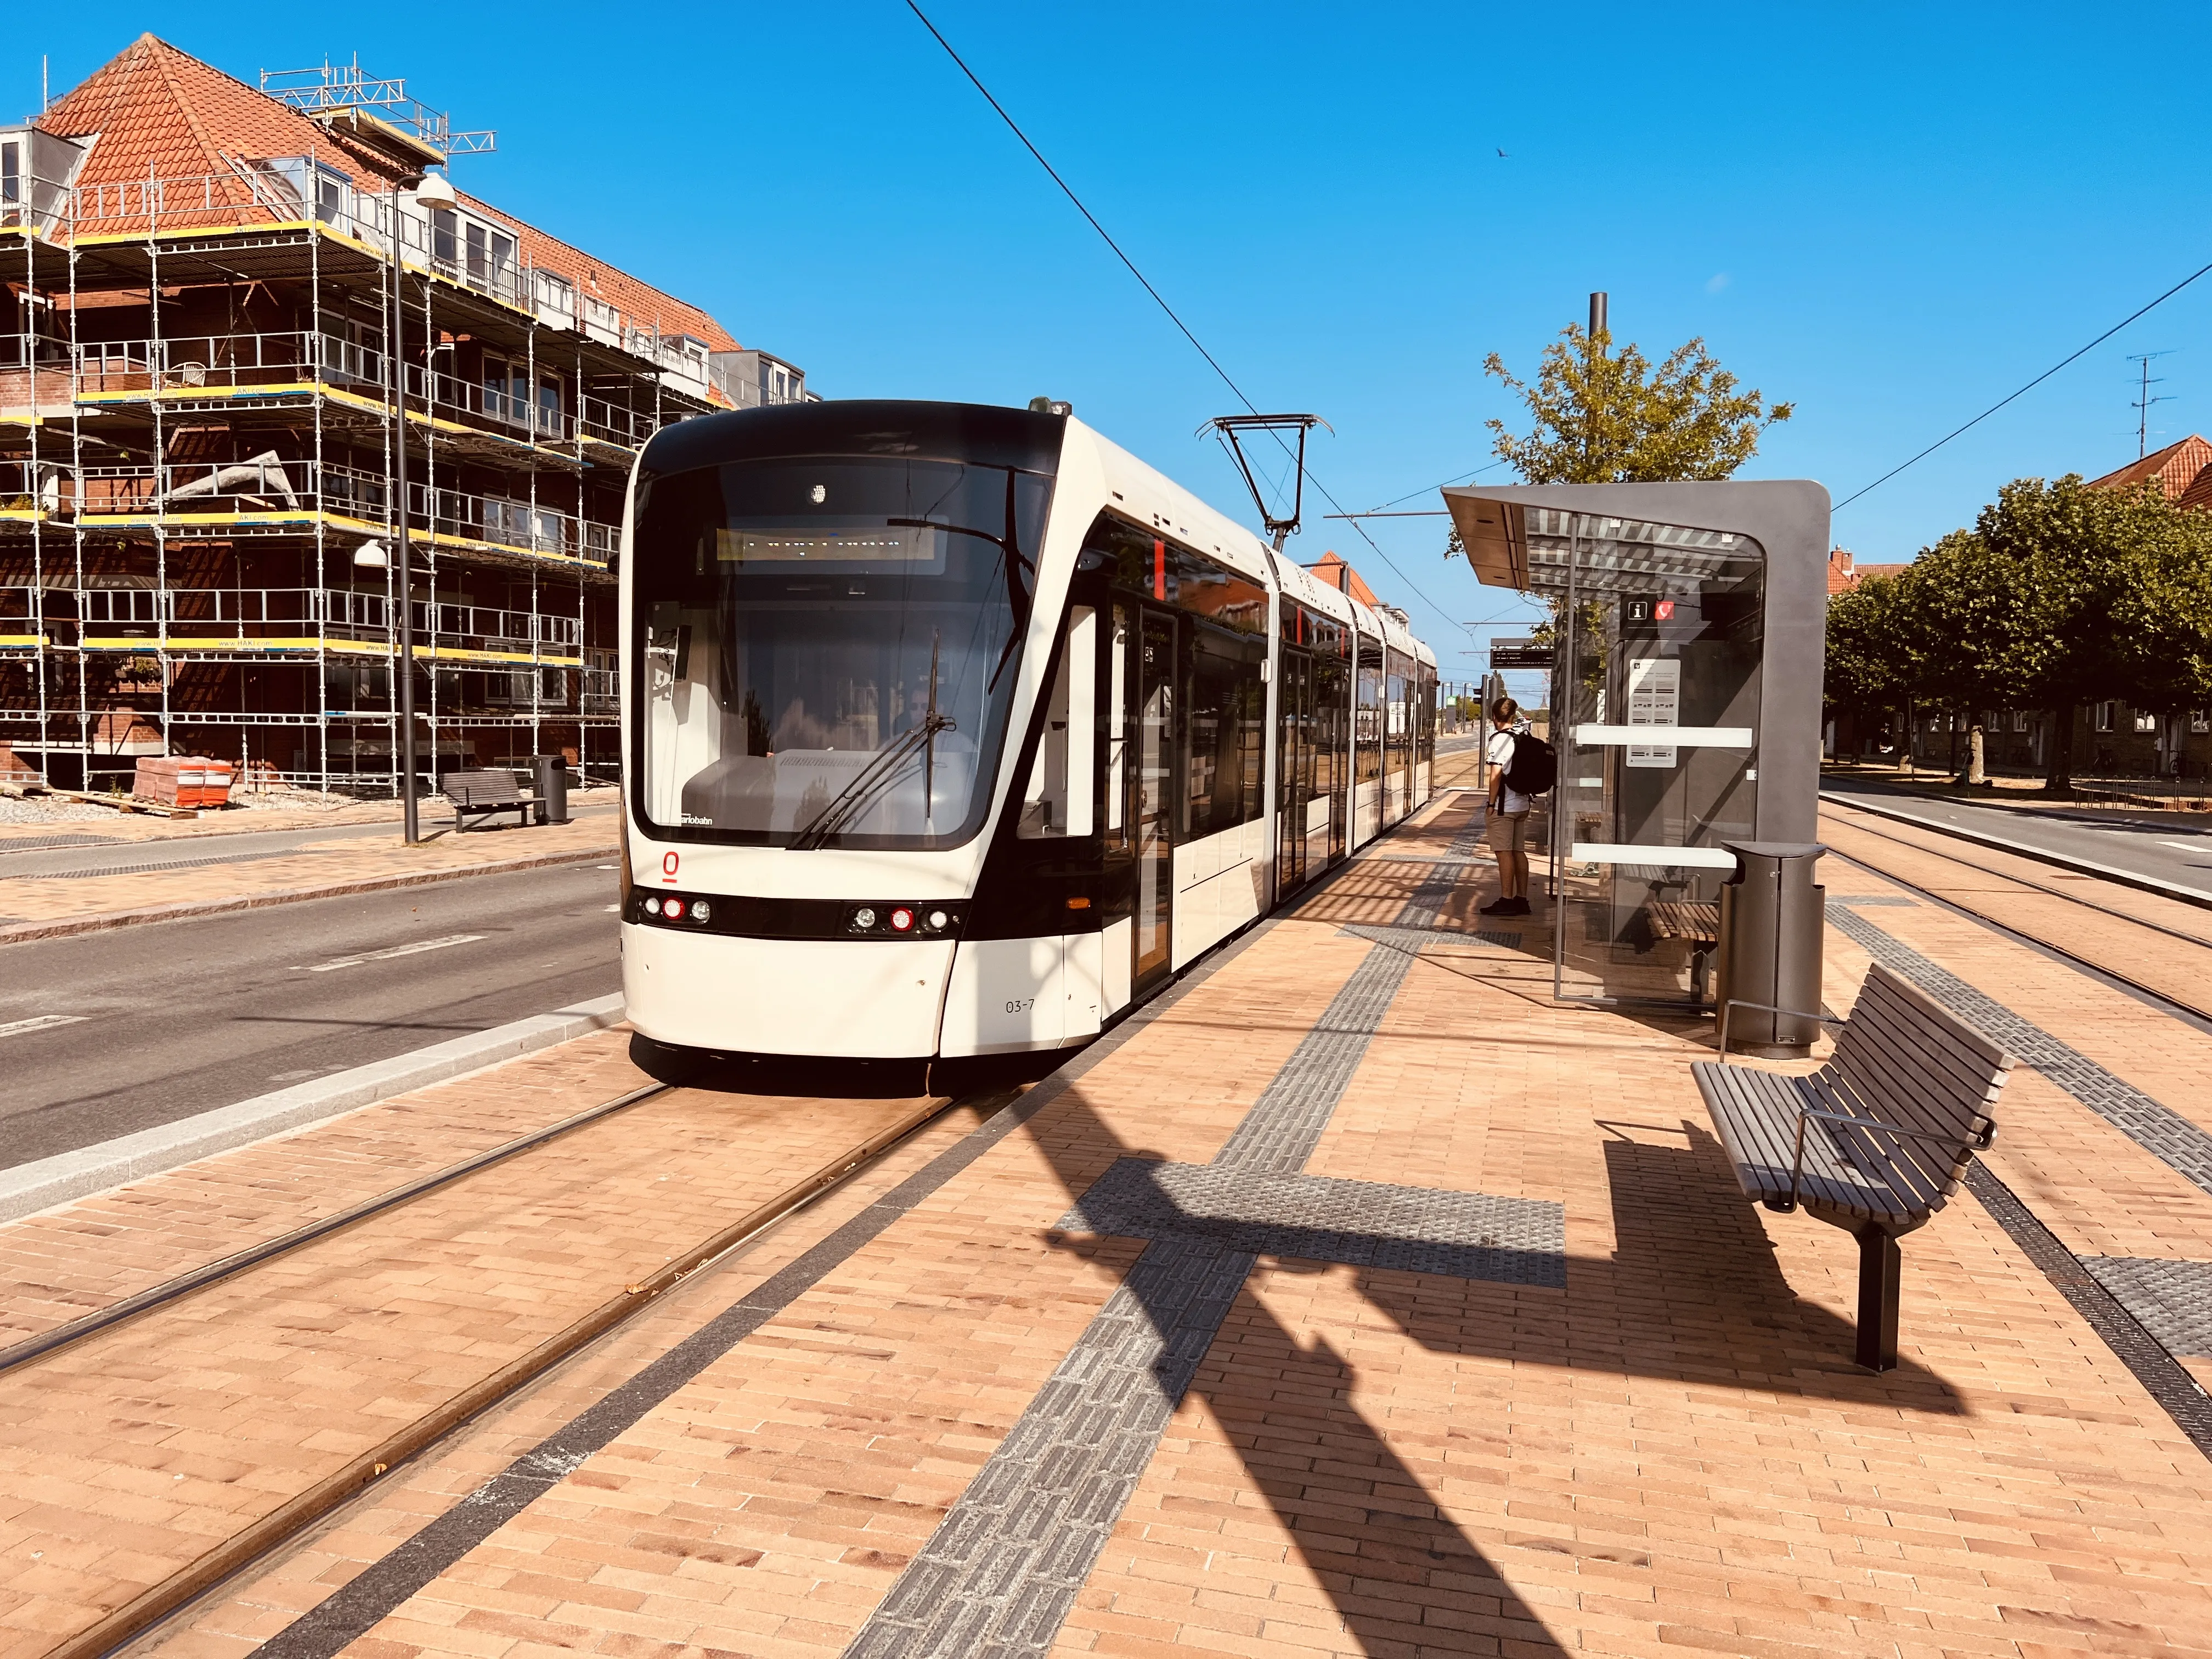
(479, 796)
(1875, 1141)
(1700, 922)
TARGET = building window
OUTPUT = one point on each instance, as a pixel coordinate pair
(2020, 719)
(2200, 719)
(445, 232)
(2106, 715)
(2146, 722)
(11, 173)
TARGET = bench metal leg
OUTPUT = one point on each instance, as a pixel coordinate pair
(1880, 1266)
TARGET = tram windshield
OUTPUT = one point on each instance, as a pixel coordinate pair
(825, 651)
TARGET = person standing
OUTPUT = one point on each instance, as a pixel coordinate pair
(1509, 813)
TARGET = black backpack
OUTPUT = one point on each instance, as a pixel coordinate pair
(1535, 767)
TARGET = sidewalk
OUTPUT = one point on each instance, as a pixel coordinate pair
(42, 907)
(1354, 1300)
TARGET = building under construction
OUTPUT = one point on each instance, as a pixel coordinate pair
(249, 329)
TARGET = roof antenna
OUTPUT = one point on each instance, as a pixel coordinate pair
(1231, 428)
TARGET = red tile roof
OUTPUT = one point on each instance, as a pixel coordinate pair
(1844, 573)
(1332, 569)
(155, 112)
(2176, 469)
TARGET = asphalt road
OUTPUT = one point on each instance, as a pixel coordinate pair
(2167, 847)
(157, 1023)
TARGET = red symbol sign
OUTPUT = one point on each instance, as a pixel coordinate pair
(668, 866)
(1666, 608)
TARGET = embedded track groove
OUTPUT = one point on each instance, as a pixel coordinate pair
(259, 1539)
(2107, 966)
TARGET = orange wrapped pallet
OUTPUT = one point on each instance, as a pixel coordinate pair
(183, 780)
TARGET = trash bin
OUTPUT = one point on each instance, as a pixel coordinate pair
(1771, 924)
(551, 784)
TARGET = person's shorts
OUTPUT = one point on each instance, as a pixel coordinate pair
(1507, 831)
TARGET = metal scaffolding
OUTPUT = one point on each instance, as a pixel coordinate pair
(192, 511)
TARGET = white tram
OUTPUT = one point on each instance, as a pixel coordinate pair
(950, 731)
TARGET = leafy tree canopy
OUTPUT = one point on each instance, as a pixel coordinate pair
(1602, 417)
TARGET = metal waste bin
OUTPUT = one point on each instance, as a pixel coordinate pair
(1772, 925)
(552, 788)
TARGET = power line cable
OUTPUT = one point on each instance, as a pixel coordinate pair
(2030, 387)
(1182, 327)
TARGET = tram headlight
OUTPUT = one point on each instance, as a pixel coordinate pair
(673, 908)
(701, 912)
(863, 919)
(901, 921)
(938, 922)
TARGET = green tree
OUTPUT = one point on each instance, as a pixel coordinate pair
(1877, 655)
(2115, 599)
(1607, 417)
(2060, 595)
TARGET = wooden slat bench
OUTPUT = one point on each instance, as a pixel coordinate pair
(1874, 1142)
(478, 796)
(1697, 922)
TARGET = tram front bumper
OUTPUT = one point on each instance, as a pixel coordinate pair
(866, 1000)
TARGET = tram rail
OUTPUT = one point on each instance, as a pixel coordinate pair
(2123, 965)
(261, 1538)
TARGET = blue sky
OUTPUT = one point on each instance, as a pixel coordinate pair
(1890, 216)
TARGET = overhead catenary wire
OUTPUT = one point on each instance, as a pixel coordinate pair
(2200, 271)
(1158, 299)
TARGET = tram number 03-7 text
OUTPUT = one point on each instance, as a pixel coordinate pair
(1021, 1006)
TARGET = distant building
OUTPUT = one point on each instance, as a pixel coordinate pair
(200, 417)
(2182, 470)
(1332, 569)
(1844, 574)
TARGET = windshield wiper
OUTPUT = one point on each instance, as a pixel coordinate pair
(878, 772)
(848, 801)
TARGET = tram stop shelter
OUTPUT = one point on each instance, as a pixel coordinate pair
(1689, 633)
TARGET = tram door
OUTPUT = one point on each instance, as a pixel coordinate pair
(1332, 696)
(1154, 815)
(1294, 705)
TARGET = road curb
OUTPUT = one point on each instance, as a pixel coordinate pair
(50, 1180)
(62, 926)
(2022, 849)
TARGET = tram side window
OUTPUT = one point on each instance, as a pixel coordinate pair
(1227, 707)
(1367, 714)
(1058, 800)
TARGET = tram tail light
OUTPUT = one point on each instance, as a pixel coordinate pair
(892, 919)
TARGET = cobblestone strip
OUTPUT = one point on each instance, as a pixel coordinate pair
(2174, 1299)
(1361, 1223)
(999, 1574)
(2158, 1129)
(2154, 1367)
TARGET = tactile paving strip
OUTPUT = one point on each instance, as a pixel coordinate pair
(998, 1576)
(2174, 1299)
(2157, 1128)
(1359, 1224)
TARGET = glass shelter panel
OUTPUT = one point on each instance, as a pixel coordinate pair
(1656, 718)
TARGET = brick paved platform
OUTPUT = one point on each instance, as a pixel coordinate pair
(1354, 1300)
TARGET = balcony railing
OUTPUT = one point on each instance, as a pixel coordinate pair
(269, 486)
(291, 192)
(226, 362)
(182, 615)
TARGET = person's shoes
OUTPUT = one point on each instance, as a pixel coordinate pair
(1520, 909)
(1500, 907)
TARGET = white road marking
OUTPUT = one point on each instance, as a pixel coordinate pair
(614, 909)
(40, 1023)
(396, 950)
(2189, 846)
